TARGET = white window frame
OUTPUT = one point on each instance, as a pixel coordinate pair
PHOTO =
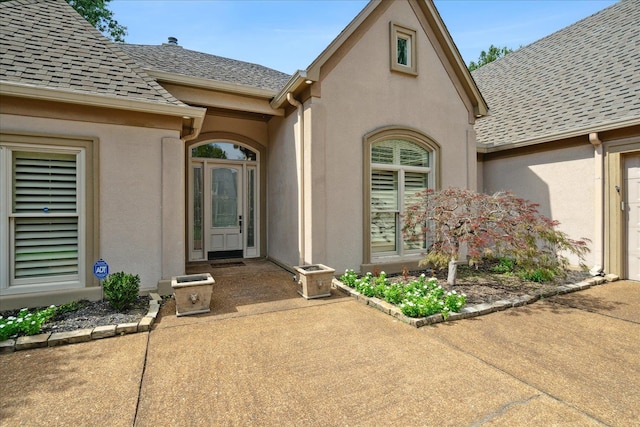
(399, 171)
(8, 284)
(396, 32)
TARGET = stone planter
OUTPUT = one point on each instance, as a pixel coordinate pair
(314, 281)
(192, 293)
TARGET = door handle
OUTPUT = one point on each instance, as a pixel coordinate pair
(240, 223)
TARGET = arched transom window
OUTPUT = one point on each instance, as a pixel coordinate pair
(223, 151)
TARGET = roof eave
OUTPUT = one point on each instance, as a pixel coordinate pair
(298, 79)
(181, 79)
(480, 106)
(604, 127)
(313, 70)
(95, 100)
(312, 73)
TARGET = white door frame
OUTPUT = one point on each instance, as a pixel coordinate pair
(250, 227)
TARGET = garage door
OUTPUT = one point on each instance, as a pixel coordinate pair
(632, 209)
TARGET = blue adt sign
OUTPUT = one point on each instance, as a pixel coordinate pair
(101, 269)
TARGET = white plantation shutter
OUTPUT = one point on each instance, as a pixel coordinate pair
(384, 208)
(382, 154)
(45, 247)
(414, 184)
(399, 152)
(384, 190)
(45, 208)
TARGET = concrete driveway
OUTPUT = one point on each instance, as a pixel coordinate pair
(569, 360)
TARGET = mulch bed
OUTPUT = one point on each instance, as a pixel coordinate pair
(480, 285)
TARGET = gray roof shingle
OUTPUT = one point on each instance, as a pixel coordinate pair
(585, 75)
(45, 43)
(175, 59)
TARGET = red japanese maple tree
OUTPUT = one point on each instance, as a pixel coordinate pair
(498, 225)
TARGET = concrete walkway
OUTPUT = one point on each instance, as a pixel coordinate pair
(266, 356)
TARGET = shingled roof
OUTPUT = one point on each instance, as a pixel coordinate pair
(581, 77)
(175, 59)
(45, 43)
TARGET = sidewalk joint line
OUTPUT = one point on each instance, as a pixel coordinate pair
(144, 368)
(557, 399)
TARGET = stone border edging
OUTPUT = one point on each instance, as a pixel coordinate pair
(470, 310)
(84, 335)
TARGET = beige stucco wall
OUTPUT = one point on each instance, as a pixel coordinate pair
(135, 213)
(360, 94)
(562, 181)
(282, 190)
(256, 130)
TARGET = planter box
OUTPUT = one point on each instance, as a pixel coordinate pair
(192, 293)
(314, 281)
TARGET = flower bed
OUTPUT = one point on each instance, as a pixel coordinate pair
(25, 322)
(417, 298)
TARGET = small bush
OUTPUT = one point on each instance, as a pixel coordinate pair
(121, 289)
(505, 265)
(538, 275)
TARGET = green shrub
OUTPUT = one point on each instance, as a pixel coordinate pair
(394, 293)
(538, 275)
(505, 265)
(121, 289)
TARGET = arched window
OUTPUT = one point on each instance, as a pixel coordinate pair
(223, 150)
(401, 163)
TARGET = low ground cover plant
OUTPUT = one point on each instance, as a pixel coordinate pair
(416, 298)
(25, 322)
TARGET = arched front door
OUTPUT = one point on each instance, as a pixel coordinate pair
(223, 201)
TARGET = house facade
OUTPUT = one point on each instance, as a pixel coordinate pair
(154, 157)
(564, 132)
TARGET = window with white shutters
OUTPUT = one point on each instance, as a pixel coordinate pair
(44, 182)
(45, 208)
(400, 169)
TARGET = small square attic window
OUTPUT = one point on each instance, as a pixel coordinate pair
(404, 53)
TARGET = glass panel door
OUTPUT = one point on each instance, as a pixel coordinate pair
(226, 211)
